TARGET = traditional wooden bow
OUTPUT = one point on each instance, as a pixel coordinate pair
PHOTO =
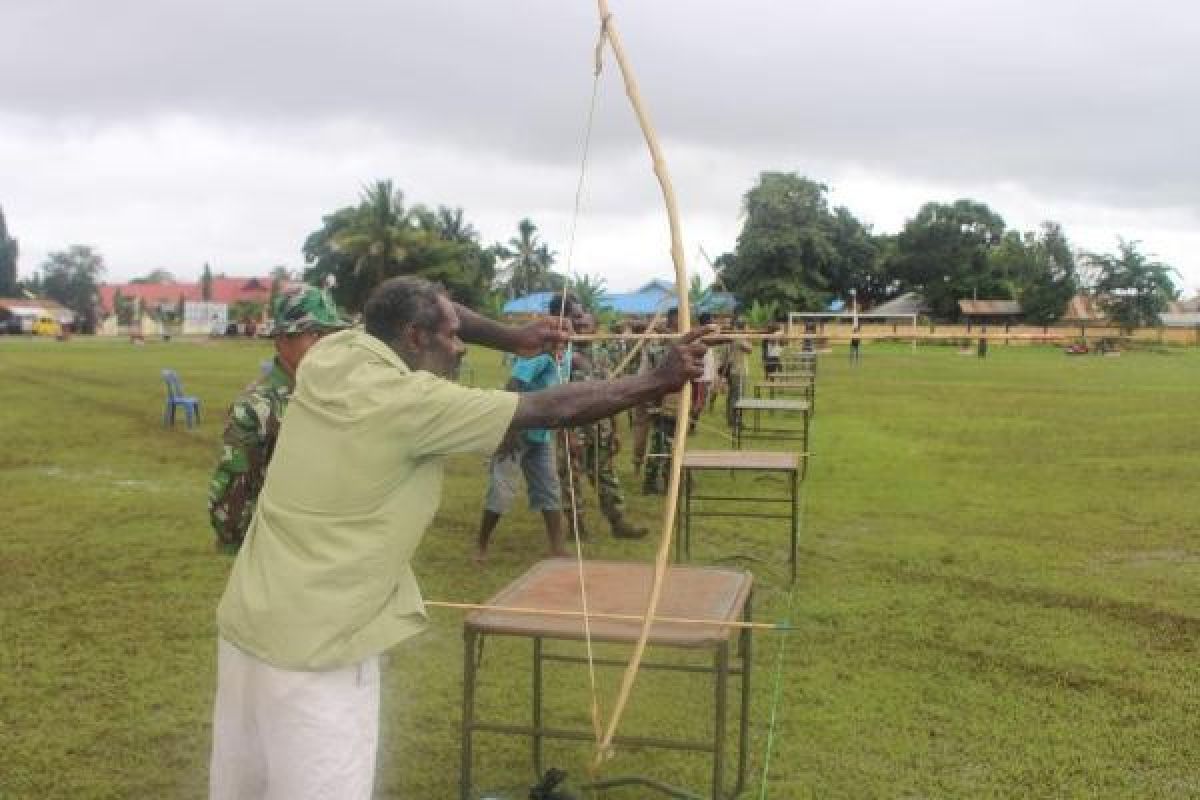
(609, 33)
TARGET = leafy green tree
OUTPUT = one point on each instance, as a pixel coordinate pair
(794, 250)
(590, 290)
(380, 238)
(857, 264)
(206, 279)
(8, 260)
(1041, 268)
(450, 253)
(281, 273)
(71, 277)
(32, 284)
(381, 234)
(1133, 290)
(450, 225)
(323, 258)
(761, 315)
(943, 252)
(493, 304)
(159, 275)
(122, 308)
(527, 262)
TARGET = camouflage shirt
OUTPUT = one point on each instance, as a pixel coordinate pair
(654, 353)
(246, 447)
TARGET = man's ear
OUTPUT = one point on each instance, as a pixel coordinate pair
(412, 339)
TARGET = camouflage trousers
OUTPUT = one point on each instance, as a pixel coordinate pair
(736, 387)
(657, 470)
(592, 455)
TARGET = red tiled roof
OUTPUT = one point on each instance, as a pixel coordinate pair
(224, 290)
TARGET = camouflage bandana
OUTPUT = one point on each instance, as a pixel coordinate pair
(306, 309)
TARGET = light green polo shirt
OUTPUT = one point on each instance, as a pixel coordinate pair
(324, 578)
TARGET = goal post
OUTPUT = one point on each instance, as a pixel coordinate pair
(800, 321)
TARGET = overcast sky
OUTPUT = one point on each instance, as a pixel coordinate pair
(169, 133)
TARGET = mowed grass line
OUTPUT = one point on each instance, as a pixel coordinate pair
(997, 594)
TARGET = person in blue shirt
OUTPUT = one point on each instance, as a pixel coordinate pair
(531, 452)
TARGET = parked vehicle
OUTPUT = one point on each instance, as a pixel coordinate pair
(46, 326)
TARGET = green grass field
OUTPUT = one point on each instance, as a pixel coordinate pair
(999, 593)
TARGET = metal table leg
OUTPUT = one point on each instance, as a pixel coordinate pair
(722, 684)
(747, 657)
(468, 712)
(687, 514)
(537, 705)
(795, 518)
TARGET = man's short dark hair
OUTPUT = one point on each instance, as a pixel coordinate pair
(555, 304)
(398, 303)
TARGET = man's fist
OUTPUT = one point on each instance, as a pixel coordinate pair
(685, 359)
(541, 335)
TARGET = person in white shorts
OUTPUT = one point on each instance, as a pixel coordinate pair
(323, 583)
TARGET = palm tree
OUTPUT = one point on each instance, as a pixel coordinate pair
(380, 234)
(528, 262)
(451, 225)
(590, 290)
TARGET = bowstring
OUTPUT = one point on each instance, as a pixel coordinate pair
(597, 729)
(777, 693)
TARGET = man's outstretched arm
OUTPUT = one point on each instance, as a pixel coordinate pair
(524, 340)
(580, 403)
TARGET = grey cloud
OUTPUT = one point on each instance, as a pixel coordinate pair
(1084, 102)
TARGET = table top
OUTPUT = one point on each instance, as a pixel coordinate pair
(741, 459)
(618, 587)
(764, 404)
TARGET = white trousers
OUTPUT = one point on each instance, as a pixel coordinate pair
(283, 735)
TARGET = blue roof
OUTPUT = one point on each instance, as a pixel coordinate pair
(647, 302)
(536, 303)
(655, 296)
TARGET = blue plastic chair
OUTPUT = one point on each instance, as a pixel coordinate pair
(176, 398)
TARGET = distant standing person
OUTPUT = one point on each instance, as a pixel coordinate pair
(772, 355)
(704, 390)
(736, 370)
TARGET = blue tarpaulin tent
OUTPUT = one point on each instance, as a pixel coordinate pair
(536, 303)
(655, 296)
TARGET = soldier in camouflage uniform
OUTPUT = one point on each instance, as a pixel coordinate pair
(657, 466)
(301, 318)
(597, 444)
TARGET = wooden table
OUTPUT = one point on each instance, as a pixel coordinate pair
(757, 405)
(615, 587)
(789, 464)
(792, 375)
(806, 387)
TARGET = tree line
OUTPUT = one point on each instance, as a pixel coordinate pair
(794, 252)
